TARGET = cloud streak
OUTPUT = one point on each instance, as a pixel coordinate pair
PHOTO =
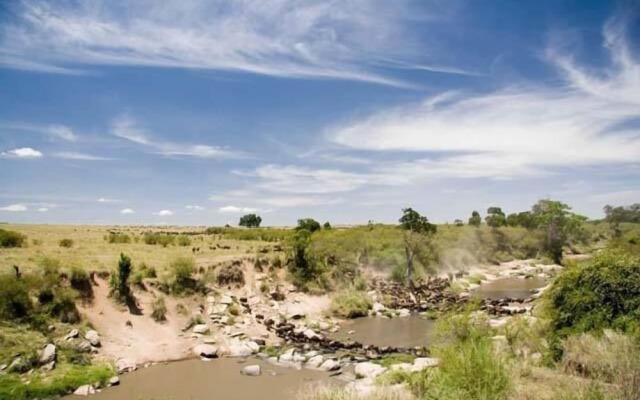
(14, 208)
(283, 38)
(125, 127)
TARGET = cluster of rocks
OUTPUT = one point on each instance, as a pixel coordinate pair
(86, 390)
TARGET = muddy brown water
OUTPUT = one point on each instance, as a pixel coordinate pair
(219, 379)
(405, 332)
(517, 288)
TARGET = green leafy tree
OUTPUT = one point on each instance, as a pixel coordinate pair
(308, 224)
(417, 232)
(523, 219)
(475, 219)
(495, 217)
(557, 223)
(326, 225)
(250, 221)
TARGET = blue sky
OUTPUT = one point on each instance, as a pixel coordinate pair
(195, 112)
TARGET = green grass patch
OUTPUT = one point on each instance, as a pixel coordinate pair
(351, 304)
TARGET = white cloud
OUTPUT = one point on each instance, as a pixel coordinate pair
(164, 213)
(108, 200)
(69, 155)
(515, 131)
(236, 210)
(43, 209)
(195, 208)
(127, 128)
(127, 211)
(14, 208)
(288, 38)
(23, 152)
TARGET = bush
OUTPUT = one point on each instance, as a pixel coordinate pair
(119, 238)
(183, 240)
(68, 243)
(230, 275)
(15, 303)
(12, 238)
(351, 304)
(159, 313)
(120, 281)
(182, 270)
(469, 368)
(64, 306)
(162, 239)
(603, 293)
(81, 282)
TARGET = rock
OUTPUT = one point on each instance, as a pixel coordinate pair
(251, 370)
(310, 334)
(239, 349)
(114, 381)
(226, 300)
(72, 334)
(421, 363)
(205, 350)
(124, 365)
(498, 323)
(84, 347)
(201, 329)
(315, 361)
(404, 313)
(211, 299)
(254, 300)
(378, 307)
(255, 347)
(84, 390)
(48, 366)
(3, 367)
(287, 355)
(93, 338)
(329, 365)
(295, 312)
(369, 370)
(48, 354)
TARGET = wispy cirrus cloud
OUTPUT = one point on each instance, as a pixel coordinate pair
(22, 152)
(54, 131)
(285, 38)
(109, 200)
(519, 130)
(194, 207)
(71, 155)
(126, 127)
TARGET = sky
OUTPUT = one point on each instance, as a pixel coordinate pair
(199, 111)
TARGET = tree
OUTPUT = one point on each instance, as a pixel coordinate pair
(495, 217)
(557, 223)
(475, 219)
(250, 221)
(308, 224)
(120, 282)
(326, 225)
(458, 222)
(523, 219)
(417, 231)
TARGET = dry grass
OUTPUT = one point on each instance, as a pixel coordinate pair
(317, 392)
(92, 251)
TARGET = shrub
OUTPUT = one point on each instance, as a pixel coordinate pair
(64, 306)
(162, 239)
(182, 270)
(351, 304)
(15, 302)
(68, 243)
(119, 238)
(230, 275)
(469, 368)
(603, 293)
(159, 313)
(12, 238)
(81, 282)
(183, 240)
(120, 281)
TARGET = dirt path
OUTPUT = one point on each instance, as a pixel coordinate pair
(143, 340)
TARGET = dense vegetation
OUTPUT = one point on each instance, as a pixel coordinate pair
(11, 239)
